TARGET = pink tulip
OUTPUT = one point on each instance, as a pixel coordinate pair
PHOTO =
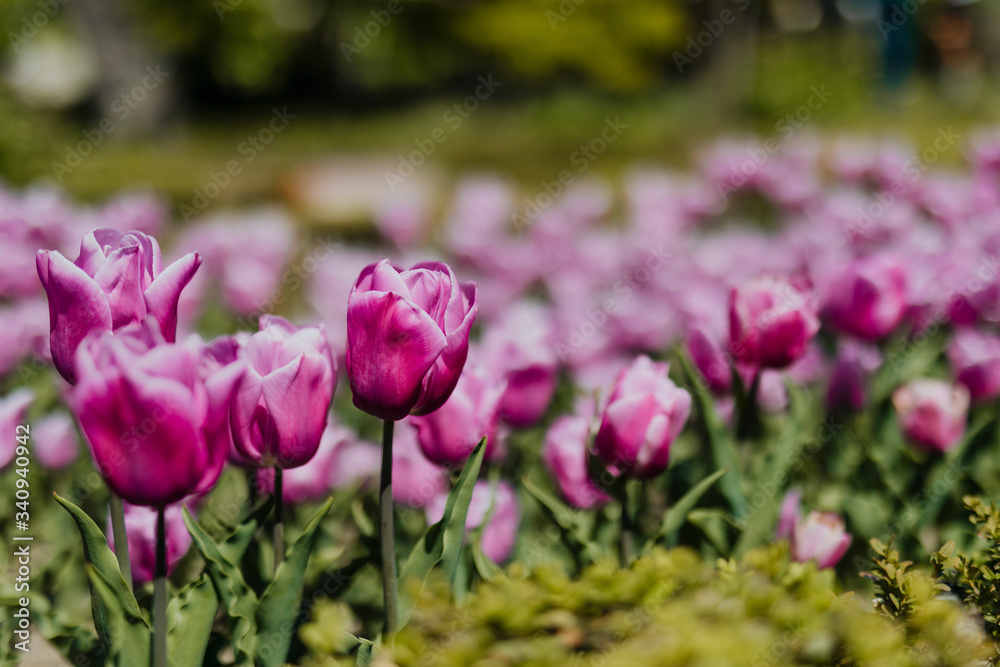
(644, 415)
(116, 281)
(12, 410)
(55, 441)
(710, 358)
(975, 358)
(415, 480)
(140, 528)
(771, 322)
(500, 533)
(849, 379)
(868, 299)
(449, 434)
(24, 331)
(155, 419)
(565, 454)
(282, 403)
(932, 413)
(407, 337)
(821, 537)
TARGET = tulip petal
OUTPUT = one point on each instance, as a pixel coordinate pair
(297, 397)
(244, 415)
(120, 279)
(442, 377)
(221, 388)
(163, 294)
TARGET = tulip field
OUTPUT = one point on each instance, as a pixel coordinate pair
(741, 413)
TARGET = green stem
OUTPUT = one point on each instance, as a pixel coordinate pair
(160, 594)
(387, 539)
(627, 537)
(279, 520)
(121, 537)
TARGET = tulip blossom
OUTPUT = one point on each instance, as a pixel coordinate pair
(868, 299)
(644, 414)
(771, 322)
(449, 434)
(117, 280)
(821, 537)
(932, 413)
(975, 358)
(500, 533)
(565, 454)
(155, 419)
(407, 337)
(849, 377)
(415, 480)
(12, 409)
(283, 399)
(54, 441)
(140, 527)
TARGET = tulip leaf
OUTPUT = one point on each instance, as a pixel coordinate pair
(567, 518)
(238, 599)
(723, 450)
(236, 545)
(487, 569)
(278, 610)
(678, 514)
(442, 542)
(191, 615)
(366, 653)
(117, 618)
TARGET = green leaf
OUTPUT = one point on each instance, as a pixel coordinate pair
(487, 569)
(677, 515)
(191, 615)
(442, 542)
(569, 520)
(279, 606)
(236, 545)
(117, 618)
(366, 653)
(722, 446)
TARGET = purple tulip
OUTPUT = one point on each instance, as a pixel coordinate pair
(55, 441)
(821, 537)
(24, 331)
(12, 410)
(449, 434)
(281, 407)
(868, 299)
(500, 533)
(565, 455)
(644, 414)
(932, 413)
(407, 337)
(710, 358)
(849, 379)
(771, 322)
(140, 528)
(975, 358)
(415, 480)
(116, 281)
(155, 419)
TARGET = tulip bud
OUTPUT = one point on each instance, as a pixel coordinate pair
(821, 537)
(117, 280)
(281, 407)
(868, 299)
(975, 358)
(500, 533)
(849, 378)
(565, 455)
(155, 420)
(932, 413)
(140, 528)
(407, 337)
(12, 409)
(645, 413)
(55, 441)
(415, 480)
(771, 322)
(449, 434)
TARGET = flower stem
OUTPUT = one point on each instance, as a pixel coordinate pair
(160, 594)
(387, 539)
(627, 537)
(121, 537)
(279, 519)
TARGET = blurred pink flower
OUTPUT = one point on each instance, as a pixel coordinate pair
(932, 413)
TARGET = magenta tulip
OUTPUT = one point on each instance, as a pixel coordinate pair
(868, 299)
(849, 378)
(415, 480)
(565, 455)
(407, 337)
(975, 358)
(500, 533)
(155, 419)
(771, 321)
(932, 413)
(644, 414)
(281, 407)
(117, 280)
(821, 537)
(55, 441)
(12, 410)
(448, 435)
(140, 527)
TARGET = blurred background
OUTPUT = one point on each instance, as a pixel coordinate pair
(316, 100)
